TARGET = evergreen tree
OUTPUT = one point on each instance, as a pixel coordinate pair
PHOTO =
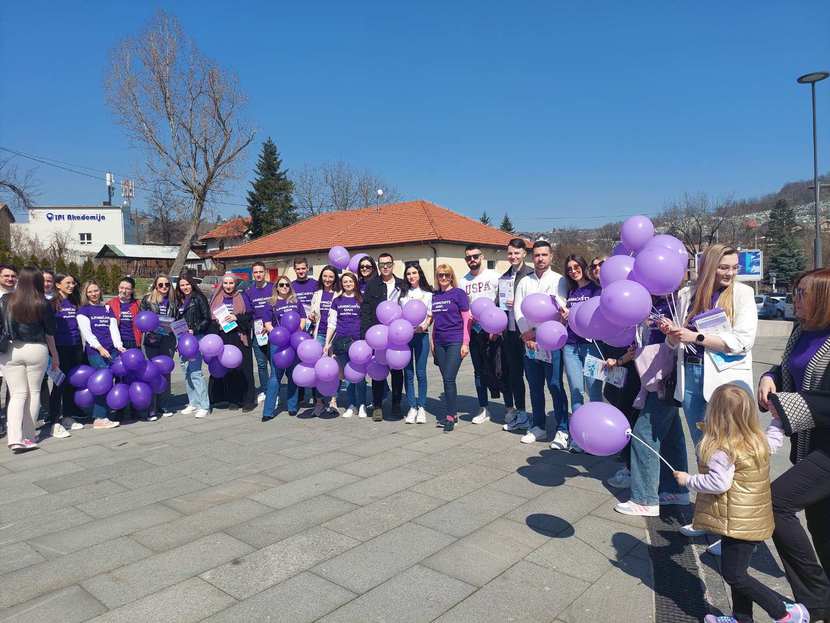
(74, 270)
(785, 257)
(60, 266)
(102, 276)
(506, 224)
(484, 218)
(270, 202)
(87, 270)
(115, 276)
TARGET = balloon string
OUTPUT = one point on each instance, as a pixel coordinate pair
(598, 350)
(630, 434)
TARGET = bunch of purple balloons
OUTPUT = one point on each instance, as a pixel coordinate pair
(543, 310)
(219, 356)
(489, 317)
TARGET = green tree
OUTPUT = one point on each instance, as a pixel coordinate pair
(60, 266)
(785, 256)
(115, 276)
(74, 270)
(484, 218)
(506, 224)
(87, 270)
(270, 202)
(102, 276)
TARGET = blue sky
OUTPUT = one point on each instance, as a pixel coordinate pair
(560, 113)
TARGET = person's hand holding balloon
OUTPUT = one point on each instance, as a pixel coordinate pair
(682, 478)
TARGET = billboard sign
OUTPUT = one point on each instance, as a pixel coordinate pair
(750, 264)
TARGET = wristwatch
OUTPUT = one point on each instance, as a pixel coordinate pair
(699, 338)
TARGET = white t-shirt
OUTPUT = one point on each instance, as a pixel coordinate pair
(391, 289)
(484, 284)
(416, 294)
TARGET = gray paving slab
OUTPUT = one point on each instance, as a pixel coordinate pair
(62, 482)
(458, 482)
(572, 556)
(20, 491)
(24, 462)
(470, 512)
(136, 498)
(186, 602)
(37, 525)
(45, 577)
(54, 501)
(16, 556)
(274, 526)
(69, 605)
(301, 599)
(442, 462)
(294, 469)
(381, 443)
(440, 442)
(417, 595)
(153, 573)
(271, 565)
(311, 486)
(375, 561)
(381, 462)
(33, 474)
(556, 510)
(613, 539)
(373, 488)
(299, 450)
(211, 496)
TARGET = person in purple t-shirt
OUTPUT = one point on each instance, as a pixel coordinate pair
(450, 341)
(343, 329)
(304, 288)
(63, 411)
(258, 296)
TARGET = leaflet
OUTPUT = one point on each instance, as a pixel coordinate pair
(506, 293)
(56, 376)
(595, 368)
(538, 355)
(179, 327)
(223, 314)
(261, 338)
(715, 322)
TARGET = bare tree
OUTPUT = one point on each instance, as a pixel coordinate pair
(17, 188)
(367, 191)
(183, 109)
(338, 186)
(697, 220)
(167, 212)
(309, 194)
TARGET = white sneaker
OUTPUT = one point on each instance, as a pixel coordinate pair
(348, 412)
(534, 434)
(632, 508)
(411, 415)
(70, 424)
(362, 411)
(200, 413)
(714, 548)
(59, 432)
(260, 397)
(690, 531)
(152, 417)
(621, 480)
(105, 423)
(521, 421)
(482, 417)
(421, 418)
(167, 414)
(188, 410)
(674, 499)
(560, 441)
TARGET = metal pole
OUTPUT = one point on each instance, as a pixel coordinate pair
(817, 246)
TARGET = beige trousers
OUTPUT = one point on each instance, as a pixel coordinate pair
(23, 367)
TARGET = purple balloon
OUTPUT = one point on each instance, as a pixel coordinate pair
(660, 270)
(615, 268)
(284, 358)
(119, 396)
(151, 373)
(354, 373)
(84, 398)
(551, 335)
(309, 351)
(621, 338)
(415, 312)
(147, 321)
(478, 306)
(599, 428)
(211, 345)
(133, 360)
(141, 395)
(636, 231)
(79, 375)
(673, 244)
(290, 320)
(117, 367)
(216, 369)
(164, 363)
(160, 385)
(377, 336)
(388, 311)
(279, 337)
(303, 375)
(380, 356)
(328, 388)
(355, 261)
(539, 307)
(327, 369)
(100, 382)
(188, 346)
(231, 357)
(400, 332)
(625, 303)
(360, 352)
(620, 249)
(493, 320)
(297, 338)
(339, 257)
(398, 358)
(587, 320)
(376, 370)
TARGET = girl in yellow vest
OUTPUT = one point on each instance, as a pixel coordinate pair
(733, 498)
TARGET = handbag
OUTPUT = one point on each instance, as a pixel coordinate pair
(5, 332)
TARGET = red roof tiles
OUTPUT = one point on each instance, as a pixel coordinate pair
(234, 228)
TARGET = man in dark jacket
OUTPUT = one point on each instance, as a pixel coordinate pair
(383, 287)
(513, 349)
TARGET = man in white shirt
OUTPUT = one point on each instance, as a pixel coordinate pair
(480, 282)
(541, 367)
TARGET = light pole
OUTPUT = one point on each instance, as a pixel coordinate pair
(811, 79)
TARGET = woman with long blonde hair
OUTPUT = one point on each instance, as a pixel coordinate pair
(162, 301)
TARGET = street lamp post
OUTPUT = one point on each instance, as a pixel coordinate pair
(811, 79)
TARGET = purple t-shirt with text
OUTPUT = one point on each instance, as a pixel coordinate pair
(278, 309)
(125, 323)
(99, 322)
(579, 295)
(348, 317)
(446, 316)
(66, 325)
(304, 290)
(258, 299)
(325, 305)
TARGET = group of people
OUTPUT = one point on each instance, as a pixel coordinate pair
(671, 364)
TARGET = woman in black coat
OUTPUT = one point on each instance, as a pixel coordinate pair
(194, 309)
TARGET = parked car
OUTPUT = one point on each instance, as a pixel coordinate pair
(787, 308)
(767, 307)
(209, 284)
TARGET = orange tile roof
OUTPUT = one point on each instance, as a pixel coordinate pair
(234, 228)
(388, 225)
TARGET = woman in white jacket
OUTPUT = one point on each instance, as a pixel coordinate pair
(327, 286)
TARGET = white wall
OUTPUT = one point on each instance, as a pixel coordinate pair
(105, 225)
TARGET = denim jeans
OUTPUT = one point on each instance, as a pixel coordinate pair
(694, 405)
(574, 359)
(356, 394)
(272, 393)
(100, 410)
(197, 392)
(448, 357)
(417, 366)
(540, 373)
(659, 426)
(512, 365)
(478, 340)
(261, 356)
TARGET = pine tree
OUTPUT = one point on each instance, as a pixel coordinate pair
(60, 266)
(484, 218)
(506, 224)
(270, 202)
(87, 270)
(102, 276)
(785, 257)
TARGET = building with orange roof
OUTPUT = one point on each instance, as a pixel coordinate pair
(411, 230)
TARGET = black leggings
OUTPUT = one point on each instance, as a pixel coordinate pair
(378, 388)
(62, 397)
(735, 557)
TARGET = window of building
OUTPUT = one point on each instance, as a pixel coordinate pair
(86, 238)
(491, 264)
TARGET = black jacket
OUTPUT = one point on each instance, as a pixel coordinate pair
(30, 332)
(197, 314)
(375, 294)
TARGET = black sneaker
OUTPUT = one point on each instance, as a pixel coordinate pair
(449, 424)
(249, 408)
(292, 413)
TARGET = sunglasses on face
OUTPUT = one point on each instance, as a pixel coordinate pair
(163, 284)
(573, 269)
(472, 256)
(283, 285)
(365, 267)
(443, 275)
(596, 265)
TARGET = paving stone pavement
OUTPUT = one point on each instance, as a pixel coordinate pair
(315, 519)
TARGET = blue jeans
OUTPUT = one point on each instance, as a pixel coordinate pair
(478, 340)
(261, 355)
(417, 366)
(660, 428)
(541, 373)
(100, 410)
(197, 392)
(574, 359)
(448, 357)
(356, 394)
(272, 393)
(694, 405)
